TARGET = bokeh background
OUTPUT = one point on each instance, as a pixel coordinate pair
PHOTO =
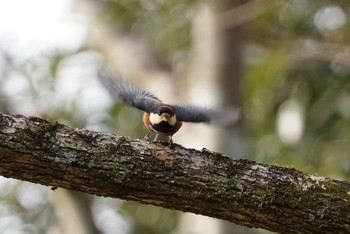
(284, 64)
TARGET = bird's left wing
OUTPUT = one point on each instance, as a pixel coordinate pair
(128, 93)
(196, 114)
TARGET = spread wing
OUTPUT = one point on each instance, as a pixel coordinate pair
(196, 114)
(128, 93)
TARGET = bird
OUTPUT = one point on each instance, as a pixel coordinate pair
(160, 118)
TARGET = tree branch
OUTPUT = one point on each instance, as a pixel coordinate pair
(241, 191)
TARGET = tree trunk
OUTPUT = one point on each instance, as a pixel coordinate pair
(203, 182)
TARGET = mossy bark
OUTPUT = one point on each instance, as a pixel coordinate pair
(241, 191)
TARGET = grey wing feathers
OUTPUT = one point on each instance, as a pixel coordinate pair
(191, 113)
(126, 92)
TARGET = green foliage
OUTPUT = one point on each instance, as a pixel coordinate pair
(151, 220)
(296, 61)
(164, 24)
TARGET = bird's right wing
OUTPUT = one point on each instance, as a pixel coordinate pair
(128, 93)
(196, 114)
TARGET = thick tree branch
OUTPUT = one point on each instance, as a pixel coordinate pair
(241, 191)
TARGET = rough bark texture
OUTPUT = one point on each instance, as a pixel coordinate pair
(241, 191)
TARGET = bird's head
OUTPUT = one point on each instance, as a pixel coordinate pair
(163, 114)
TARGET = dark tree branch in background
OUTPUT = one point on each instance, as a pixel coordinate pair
(241, 191)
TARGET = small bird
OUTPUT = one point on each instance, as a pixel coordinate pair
(162, 119)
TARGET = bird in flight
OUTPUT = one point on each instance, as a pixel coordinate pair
(160, 118)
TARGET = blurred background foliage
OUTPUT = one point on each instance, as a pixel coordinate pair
(294, 87)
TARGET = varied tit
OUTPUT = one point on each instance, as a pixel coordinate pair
(162, 119)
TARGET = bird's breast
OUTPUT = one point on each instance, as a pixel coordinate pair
(163, 127)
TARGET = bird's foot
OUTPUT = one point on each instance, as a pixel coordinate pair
(147, 137)
(171, 143)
